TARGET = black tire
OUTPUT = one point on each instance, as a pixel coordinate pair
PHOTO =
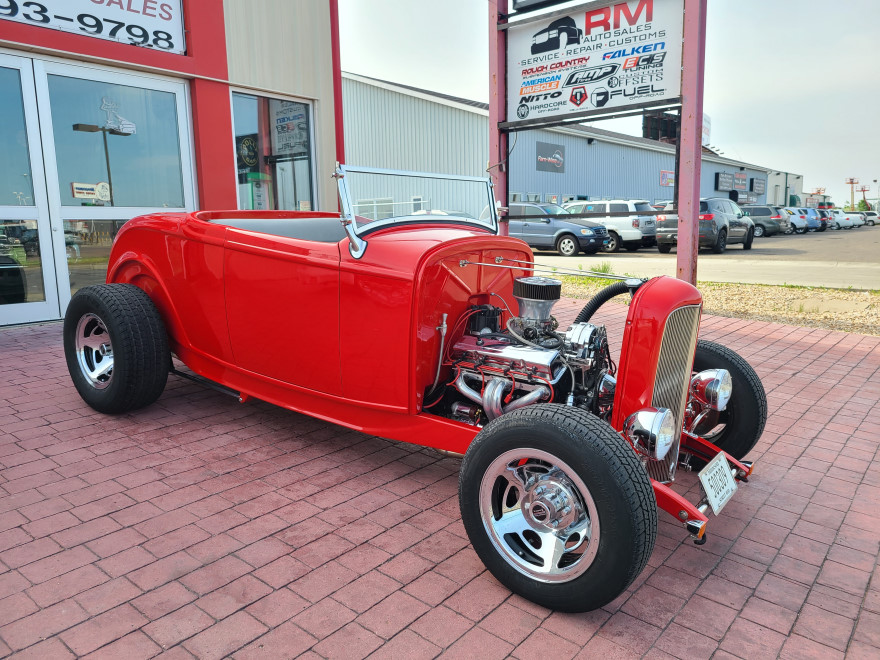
(759, 231)
(664, 248)
(747, 244)
(613, 244)
(617, 486)
(802, 230)
(139, 353)
(567, 245)
(738, 428)
(837, 226)
(720, 242)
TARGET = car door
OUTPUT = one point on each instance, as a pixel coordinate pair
(537, 230)
(738, 222)
(514, 226)
(282, 308)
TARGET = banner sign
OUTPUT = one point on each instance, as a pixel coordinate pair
(550, 157)
(604, 59)
(740, 181)
(667, 178)
(156, 24)
(723, 181)
(759, 186)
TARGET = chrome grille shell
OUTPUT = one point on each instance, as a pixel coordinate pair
(673, 377)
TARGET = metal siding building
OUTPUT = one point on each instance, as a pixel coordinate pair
(400, 127)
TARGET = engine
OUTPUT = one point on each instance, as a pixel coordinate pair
(499, 367)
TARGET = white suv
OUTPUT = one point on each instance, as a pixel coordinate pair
(627, 227)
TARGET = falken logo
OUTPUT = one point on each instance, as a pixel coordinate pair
(635, 50)
(591, 75)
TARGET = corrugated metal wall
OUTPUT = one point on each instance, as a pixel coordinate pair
(387, 129)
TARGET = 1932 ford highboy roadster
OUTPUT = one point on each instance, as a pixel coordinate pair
(407, 316)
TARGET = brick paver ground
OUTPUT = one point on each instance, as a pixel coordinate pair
(202, 527)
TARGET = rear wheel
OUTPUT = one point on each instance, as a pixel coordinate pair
(567, 245)
(720, 242)
(759, 231)
(558, 507)
(738, 427)
(664, 248)
(613, 244)
(116, 347)
(747, 244)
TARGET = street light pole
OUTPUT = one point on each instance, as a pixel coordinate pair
(93, 128)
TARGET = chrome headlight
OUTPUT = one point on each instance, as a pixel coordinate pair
(587, 232)
(651, 431)
(712, 388)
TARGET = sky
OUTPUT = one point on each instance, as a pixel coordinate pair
(789, 85)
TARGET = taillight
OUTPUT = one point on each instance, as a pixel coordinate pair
(803, 217)
(776, 217)
(661, 218)
(635, 223)
(706, 216)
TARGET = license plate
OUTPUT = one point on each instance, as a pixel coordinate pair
(718, 482)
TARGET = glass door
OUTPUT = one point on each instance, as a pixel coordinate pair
(27, 262)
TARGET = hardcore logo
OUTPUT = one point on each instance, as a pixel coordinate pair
(591, 75)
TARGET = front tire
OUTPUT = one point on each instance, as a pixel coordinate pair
(116, 347)
(738, 428)
(567, 245)
(613, 244)
(558, 507)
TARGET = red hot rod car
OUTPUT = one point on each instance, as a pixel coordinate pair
(407, 316)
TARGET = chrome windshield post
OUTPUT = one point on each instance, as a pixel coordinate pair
(356, 245)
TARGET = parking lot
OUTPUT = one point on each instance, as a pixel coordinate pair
(833, 258)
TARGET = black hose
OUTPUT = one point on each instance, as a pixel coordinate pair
(603, 297)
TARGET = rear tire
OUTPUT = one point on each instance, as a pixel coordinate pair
(720, 242)
(116, 347)
(802, 230)
(567, 245)
(738, 428)
(548, 467)
(747, 244)
(664, 248)
(613, 244)
(759, 231)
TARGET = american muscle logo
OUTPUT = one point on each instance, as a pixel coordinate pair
(544, 84)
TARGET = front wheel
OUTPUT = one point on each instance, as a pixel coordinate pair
(567, 245)
(558, 507)
(613, 244)
(116, 347)
(738, 427)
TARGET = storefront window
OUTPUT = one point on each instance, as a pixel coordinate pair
(16, 188)
(273, 153)
(115, 145)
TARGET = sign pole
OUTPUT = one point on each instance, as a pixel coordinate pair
(693, 62)
(497, 100)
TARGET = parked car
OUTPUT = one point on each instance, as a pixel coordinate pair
(840, 220)
(824, 218)
(870, 217)
(433, 329)
(549, 227)
(767, 219)
(797, 219)
(631, 231)
(722, 222)
(858, 218)
(814, 220)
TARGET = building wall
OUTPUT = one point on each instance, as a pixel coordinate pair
(283, 47)
(397, 131)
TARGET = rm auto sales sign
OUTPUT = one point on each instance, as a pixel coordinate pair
(595, 59)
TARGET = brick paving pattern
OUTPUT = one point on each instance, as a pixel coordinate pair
(203, 528)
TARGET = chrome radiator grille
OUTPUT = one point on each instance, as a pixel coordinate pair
(673, 378)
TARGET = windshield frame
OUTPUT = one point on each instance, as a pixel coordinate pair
(356, 232)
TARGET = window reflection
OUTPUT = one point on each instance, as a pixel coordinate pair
(274, 153)
(21, 272)
(114, 134)
(87, 245)
(16, 188)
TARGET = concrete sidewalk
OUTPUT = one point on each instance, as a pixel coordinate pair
(201, 527)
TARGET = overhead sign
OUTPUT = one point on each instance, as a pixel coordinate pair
(550, 157)
(156, 24)
(615, 57)
(759, 186)
(740, 181)
(667, 178)
(723, 181)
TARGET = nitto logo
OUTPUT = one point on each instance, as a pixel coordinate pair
(602, 18)
(591, 75)
(534, 98)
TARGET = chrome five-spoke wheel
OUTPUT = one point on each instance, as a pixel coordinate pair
(539, 515)
(94, 352)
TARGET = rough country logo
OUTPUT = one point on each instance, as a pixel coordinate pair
(591, 75)
(578, 96)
